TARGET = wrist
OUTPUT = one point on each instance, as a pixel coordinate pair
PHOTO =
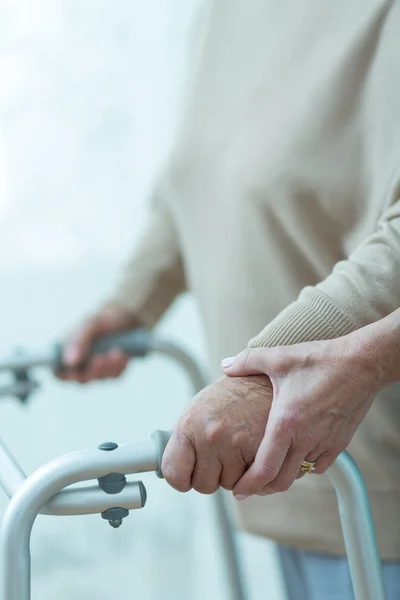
(377, 350)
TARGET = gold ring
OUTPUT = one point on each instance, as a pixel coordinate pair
(307, 467)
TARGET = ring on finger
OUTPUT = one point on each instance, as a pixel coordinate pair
(308, 466)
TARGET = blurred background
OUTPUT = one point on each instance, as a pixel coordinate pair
(90, 93)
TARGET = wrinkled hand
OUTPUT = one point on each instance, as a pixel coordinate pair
(217, 436)
(322, 391)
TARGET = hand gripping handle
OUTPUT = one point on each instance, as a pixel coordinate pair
(134, 343)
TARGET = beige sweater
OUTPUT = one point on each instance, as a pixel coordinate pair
(279, 209)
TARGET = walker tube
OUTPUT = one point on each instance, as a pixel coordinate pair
(358, 529)
(43, 485)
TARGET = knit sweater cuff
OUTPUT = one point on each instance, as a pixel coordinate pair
(312, 317)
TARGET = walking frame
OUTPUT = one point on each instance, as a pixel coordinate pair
(43, 492)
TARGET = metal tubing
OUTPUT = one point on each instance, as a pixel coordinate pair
(21, 388)
(358, 530)
(90, 499)
(230, 551)
(40, 487)
(11, 474)
(85, 500)
(172, 350)
(44, 358)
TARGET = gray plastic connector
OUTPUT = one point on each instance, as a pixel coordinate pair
(115, 516)
(113, 483)
(161, 439)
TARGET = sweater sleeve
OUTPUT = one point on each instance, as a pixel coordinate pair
(359, 291)
(154, 276)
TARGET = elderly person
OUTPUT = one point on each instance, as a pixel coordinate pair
(279, 209)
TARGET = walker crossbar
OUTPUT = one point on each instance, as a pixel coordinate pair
(43, 485)
(73, 501)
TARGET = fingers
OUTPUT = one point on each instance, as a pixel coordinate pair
(267, 463)
(324, 461)
(253, 361)
(289, 472)
(257, 361)
(81, 368)
(322, 458)
(206, 473)
(109, 320)
(291, 469)
(310, 457)
(79, 344)
(178, 461)
(185, 468)
(233, 468)
(102, 366)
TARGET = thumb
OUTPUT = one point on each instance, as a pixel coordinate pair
(79, 344)
(178, 461)
(253, 361)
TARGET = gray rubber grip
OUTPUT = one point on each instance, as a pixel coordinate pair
(134, 343)
(161, 439)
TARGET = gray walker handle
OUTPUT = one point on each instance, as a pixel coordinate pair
(43, 491)
(134, 343)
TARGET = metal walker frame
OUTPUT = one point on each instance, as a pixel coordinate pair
(43, 491)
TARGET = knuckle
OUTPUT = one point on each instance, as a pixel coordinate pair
(228, 486)
(340, 447)
(205, 487)
(325, 461)
(277, 486)
(230, 477)
(113, 370)
(214, 432)
(240, 440)
(321, 467)
(320, 470)
(185, 425)
(288, 424)
(282, 358)
(246, 356)
(308, 439)
(97, 363)
(266, 473)
(174, 479)
(281, 486)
